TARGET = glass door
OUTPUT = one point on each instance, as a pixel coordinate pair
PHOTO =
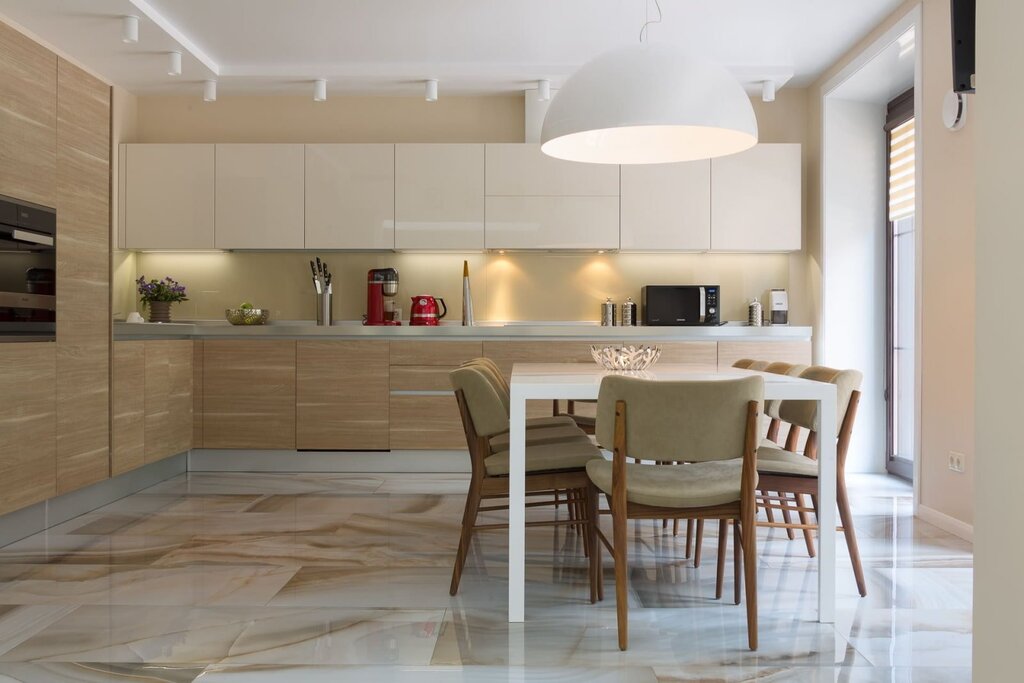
(901, 260)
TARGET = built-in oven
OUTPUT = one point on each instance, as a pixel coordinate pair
(680, 305)
(28, 271)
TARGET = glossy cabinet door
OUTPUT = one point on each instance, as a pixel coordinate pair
(249, 393)
(666, 207)
(341, 395)
(439, 196)
(350, 196)
(552, 223)
(522, 170)
(28, 119)
(168, 196)
(756, 200)
(259, 193)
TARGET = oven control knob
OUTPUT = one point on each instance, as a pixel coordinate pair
(711, 310)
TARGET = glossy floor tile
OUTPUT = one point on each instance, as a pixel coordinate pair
(232, 577)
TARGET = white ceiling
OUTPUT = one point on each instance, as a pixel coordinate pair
(471, 46)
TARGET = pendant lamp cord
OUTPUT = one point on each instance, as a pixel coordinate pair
(647, 22)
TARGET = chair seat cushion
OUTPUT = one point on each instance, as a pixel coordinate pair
(540, 435)
(674, 486)
(775, 460)
(569, 454)
(544, 422)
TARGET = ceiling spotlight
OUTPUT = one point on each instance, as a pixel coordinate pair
(320, 90)
(543, 90)
(767, 91)
(210, 91)
(129, 29)
(173, 63)
(430, 90)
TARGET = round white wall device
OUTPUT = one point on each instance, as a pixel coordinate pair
(954, 110)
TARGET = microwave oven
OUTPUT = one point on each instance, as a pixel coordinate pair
(680, 305)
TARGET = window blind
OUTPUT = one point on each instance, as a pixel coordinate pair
(901, 171)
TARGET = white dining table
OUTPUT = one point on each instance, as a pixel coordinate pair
(583, 380)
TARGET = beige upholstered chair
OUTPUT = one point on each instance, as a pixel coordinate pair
(711, 426)
(787, 472)
(555, 459)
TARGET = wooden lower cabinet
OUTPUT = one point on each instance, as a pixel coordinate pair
(341, 390)
(249, 394)
(151, 403)
(784, 351)
(28, 423)
(426, 423)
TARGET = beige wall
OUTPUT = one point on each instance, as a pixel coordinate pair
(999, 545)
(514, 287)
(946, 171)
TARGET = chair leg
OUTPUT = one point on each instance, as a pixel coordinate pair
(584, 495)
(675, 527)
(593, 515)
(786, 516)
(806, 520)
(737, 563)
(723, 548)
(468, 522)
(846, 518)
(769, 514)
(619, 543)
(699, 543)
(689, 538)
(749, 536)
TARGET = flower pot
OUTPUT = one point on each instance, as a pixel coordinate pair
(159, 311)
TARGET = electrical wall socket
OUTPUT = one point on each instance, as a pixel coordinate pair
(957, 462)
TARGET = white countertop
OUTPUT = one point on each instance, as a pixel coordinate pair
(547, 330)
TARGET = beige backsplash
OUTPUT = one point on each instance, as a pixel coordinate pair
(515, 286)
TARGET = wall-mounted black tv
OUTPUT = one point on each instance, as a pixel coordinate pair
(962, 16)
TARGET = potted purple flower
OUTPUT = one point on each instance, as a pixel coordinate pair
(159, 295)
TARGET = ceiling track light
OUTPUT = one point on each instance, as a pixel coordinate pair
(430, 90)
(129, 29)
(173, 63)
(210, 91)
(320, 90)
(767, 91)
(543, 90)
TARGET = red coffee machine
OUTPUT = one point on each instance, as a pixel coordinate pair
(425, 310)
(381, 287)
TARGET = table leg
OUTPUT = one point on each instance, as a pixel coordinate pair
(517, 507)
(827, 509)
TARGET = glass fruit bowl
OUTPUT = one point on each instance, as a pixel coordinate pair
(627, 358)
(247, 316)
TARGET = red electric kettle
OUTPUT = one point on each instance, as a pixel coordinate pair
(425, 310)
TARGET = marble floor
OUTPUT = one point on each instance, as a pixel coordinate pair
(234, 577)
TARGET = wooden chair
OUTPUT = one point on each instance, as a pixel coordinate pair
(785, 471)
(711, 426)
(552, 463)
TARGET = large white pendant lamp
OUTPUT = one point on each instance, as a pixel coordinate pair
(648, 104)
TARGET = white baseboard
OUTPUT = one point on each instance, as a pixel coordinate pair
(946, 523)
(226, 460)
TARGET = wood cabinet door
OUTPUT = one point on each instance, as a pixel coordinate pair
(28, 421)
(168, 196)
(341, 395)
(128, 407)
(756, 199)
(515, 169)
(439, 196)
(249, 393)
(782, 351)
(28, 119)
(666, 207)
(168, 392)
(350, 196)
(260, 196)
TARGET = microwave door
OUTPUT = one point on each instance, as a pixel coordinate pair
(689, 302)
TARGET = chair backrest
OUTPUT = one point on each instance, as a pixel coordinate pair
(771, 408)
(483, 400)
(690, 421)
(805, 413)
(494, 376)
(743, 363)
(759, 365)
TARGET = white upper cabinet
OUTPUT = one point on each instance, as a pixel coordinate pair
(259, 190)
(350, 196)
(439, 196)
(167, 196)
(666, 207)
(756, 200)
(553, 223)
(522, 170)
